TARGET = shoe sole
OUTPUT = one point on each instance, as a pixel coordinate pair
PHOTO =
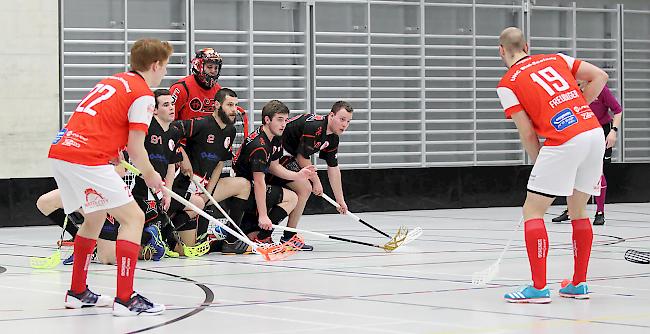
(77, 304)
(529, 301)
(581, 296)
(124, 312)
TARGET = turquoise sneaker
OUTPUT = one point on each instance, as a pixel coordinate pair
(580, 291)
(528, 294)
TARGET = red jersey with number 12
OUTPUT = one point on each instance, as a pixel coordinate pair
(544, 87)
(100, 125)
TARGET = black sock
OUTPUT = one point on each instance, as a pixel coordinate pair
(168, 234)
(263, 234)
(288, 235)
(182, 221)
(236, 213)
(58, 217)
(237, 209)
(277, 214)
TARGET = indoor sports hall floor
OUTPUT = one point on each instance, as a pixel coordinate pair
(344, 288)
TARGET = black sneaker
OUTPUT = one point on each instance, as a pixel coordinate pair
(86, 299)
(599, 219)
(137, 305)
(563, 217)
(236, 247)
(305, 247)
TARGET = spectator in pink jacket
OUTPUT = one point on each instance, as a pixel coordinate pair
(608, 111)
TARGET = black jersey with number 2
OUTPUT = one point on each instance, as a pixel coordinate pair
(207, 143)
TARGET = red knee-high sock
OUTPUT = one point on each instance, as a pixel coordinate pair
(126, 255)
(537, 247)
(582, 239)
(83, 250)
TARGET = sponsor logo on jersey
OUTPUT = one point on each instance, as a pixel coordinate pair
(584, 111)
(563, 119)
(59, 135)
(94, 198)
(75, 135)
(209, 156)
(151, 207)
(175, 95)
(195, 104)
(157, 157)
(70, 142)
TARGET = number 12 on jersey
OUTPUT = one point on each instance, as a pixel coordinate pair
(548, 77)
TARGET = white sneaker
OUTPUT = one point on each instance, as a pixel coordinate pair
(137, 305)
(86, 299)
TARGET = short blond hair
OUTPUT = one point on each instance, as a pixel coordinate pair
(512, 39)
(147, 51)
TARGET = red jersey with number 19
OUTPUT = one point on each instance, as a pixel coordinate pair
(100, 125)
(544, 87)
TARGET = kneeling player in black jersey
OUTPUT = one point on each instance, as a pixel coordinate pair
(304, 136)
(208, 145)
(258, 156)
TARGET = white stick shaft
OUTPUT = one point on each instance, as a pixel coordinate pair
(516, 231)
(203, 214)
(336, 205)
(197, 182)
(297, 230)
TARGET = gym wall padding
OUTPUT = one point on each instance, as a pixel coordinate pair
(368, 190)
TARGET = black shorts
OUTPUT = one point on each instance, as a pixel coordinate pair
(151, 216)
(608, 152)
(110, 229)
(274, 196)
(287, 162)
(150, 209)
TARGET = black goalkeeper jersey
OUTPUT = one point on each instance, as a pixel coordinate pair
(307, 134)
(256, 154)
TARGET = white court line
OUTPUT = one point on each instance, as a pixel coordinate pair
(328, 325)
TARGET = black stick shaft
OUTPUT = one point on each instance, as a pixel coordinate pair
(374, 228)
(354, 241)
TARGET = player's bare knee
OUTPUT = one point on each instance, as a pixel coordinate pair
(302, 188)
(198, 201)
(289, 200)
(244, 187)
(49, 202)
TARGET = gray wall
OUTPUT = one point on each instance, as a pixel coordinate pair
(29, 86)
(436, 110)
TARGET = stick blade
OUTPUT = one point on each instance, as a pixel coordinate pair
(46, 262)
(636, 256)
(483, 277)
(197, 250)
(412, 235)
(397, 240)
(280, 251)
